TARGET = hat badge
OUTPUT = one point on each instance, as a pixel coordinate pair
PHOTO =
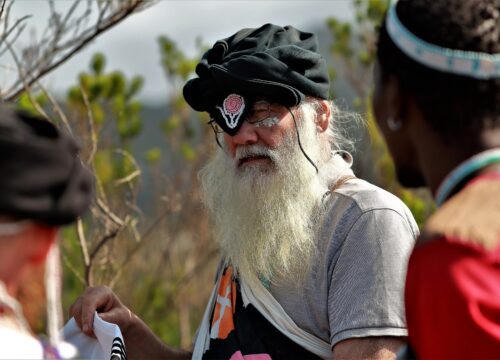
(232, 109)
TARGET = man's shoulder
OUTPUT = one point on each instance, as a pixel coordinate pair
(365, 197)
(359, 202)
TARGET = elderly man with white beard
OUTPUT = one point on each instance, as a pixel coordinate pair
(313, 259)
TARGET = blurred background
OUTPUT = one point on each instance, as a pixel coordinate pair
(111, 72)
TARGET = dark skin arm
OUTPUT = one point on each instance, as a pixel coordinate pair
(140, 341)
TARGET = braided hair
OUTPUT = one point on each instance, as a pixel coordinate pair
(458, 108)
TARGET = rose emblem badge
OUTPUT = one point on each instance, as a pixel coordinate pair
(232, 108)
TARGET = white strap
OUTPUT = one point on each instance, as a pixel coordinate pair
(203, 338)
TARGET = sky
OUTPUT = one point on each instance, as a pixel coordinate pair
(132, 46)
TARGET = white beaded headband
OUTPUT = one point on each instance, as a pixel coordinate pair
(467, 63)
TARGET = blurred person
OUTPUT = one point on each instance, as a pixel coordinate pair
(313, 258)
(437, 102)
(44, 185)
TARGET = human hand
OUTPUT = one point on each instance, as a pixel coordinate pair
(106, 303)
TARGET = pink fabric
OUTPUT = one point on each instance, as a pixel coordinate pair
(239, 356)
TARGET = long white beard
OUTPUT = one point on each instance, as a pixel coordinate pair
(265, 218)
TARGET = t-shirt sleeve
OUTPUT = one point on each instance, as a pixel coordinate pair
(366, 291)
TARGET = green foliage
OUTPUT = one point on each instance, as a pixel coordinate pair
(27, 102)
(420, 205)
(73, 283)
(173, 60)
(171, 124)
(153, 156)
(188, 151)
(102, 165)
(135, 87)
(97, 63)
(370, 10)
(129, 122)
(110, 95)
(157, 313)
(178, 127)
(116, 85)
(342, 45)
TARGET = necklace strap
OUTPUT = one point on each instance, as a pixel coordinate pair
(463, 171)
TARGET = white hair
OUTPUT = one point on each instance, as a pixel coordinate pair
(265, 221)
(341, 123)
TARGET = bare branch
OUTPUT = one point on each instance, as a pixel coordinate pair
(102, 242)
(105, 209)
(132, 175)
(188, 276)
(102, 12)
(56, 108)
(43, 66)
(82, 20)
(72, 269)
(26, 86)
(14, 38)
(90, 122)
(70, 13)
(3, 7)
(7, 14)
(128, 178)
(145, 236)
(12, 28)
(83, 242)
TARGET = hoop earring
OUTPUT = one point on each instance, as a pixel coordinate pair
(394, 124)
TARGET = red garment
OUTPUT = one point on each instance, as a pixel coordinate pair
(453, 301)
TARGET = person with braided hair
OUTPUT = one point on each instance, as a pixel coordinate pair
(44, 186)
(437, 103)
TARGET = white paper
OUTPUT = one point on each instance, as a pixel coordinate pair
(108, 345)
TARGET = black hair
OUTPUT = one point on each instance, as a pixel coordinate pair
(458, 108)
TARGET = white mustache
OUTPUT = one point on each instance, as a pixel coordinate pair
(246, 151)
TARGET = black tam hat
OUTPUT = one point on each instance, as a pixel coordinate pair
(41, 175)
(280, 63)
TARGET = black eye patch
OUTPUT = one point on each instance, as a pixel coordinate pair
(231, 113)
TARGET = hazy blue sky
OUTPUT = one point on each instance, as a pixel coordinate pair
(132, 47)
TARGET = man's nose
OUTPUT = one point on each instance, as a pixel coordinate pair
(246, 135)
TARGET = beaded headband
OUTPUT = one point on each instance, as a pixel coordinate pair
(473, 64)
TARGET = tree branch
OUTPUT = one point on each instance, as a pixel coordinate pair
(26, 86)
(102, 242)
(90, 122)
(108, 23)
(3, 7)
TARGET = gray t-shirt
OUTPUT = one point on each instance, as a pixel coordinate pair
(356, 284)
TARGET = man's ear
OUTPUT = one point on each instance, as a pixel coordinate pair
(323, 113)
